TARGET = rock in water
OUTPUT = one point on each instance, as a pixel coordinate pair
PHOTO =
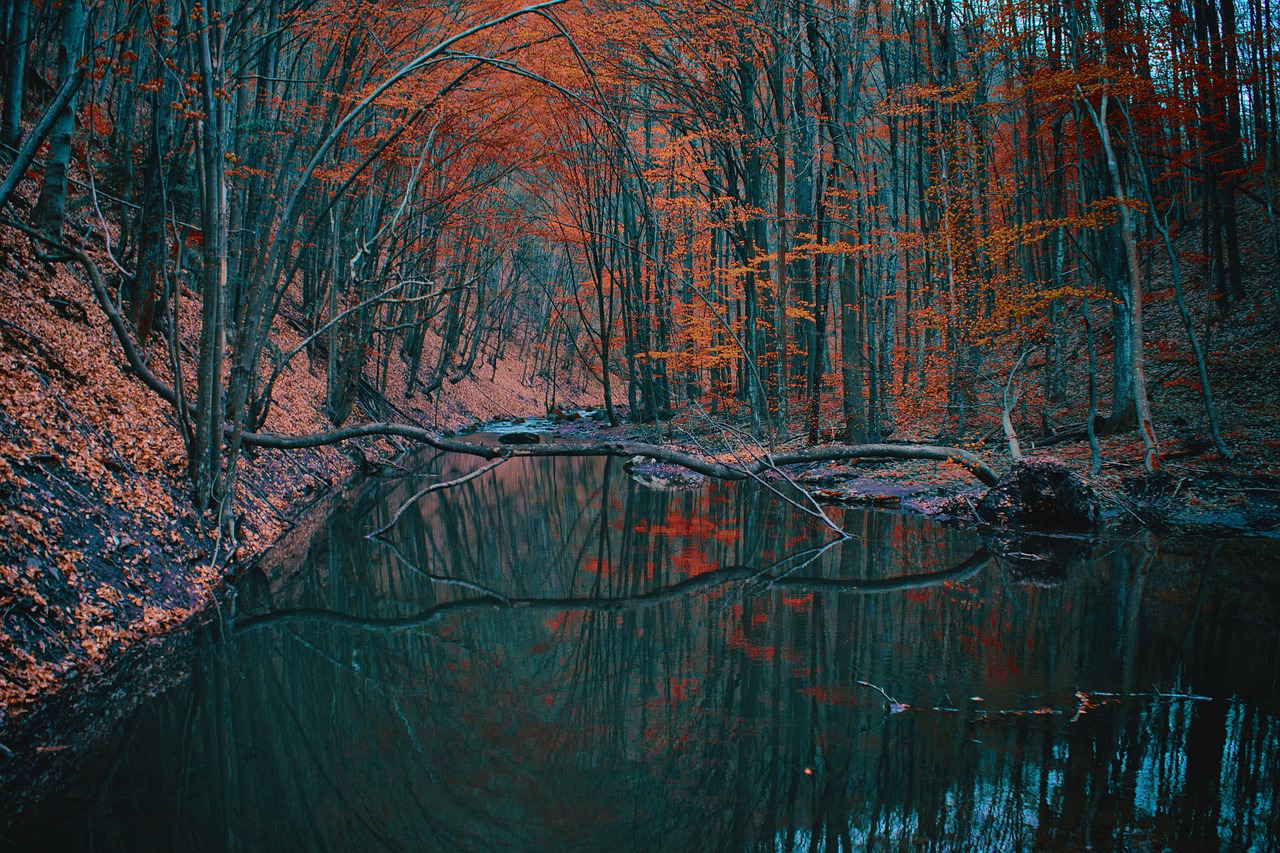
(519, 438)
(662, 476)
(563, 414)
(1044, 494)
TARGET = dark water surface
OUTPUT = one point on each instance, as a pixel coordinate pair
(552, 657)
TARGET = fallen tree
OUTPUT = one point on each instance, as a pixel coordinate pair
(702, 464)
(739, 470)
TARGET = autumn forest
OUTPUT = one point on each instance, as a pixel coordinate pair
(252, 246)
(824, 219)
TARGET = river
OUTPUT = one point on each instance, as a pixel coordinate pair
(555, 657)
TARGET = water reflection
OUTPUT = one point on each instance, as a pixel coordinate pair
(552, 657)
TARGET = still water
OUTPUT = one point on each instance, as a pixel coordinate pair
(554, 657)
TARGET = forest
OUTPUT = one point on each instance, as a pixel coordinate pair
(818, 220)
(252, 246)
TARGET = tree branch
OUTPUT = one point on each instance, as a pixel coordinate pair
(434, 487)
(27, 153)
(701, 464)
(108, 307)
(622, 603)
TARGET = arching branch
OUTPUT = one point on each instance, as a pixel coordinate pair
(434, 487)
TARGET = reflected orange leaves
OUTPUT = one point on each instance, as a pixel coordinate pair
(566, 623)
(830, 694)
(692, 562)
(667, 732)
(690, 526)
(698, 531)
(767, 652)
(680, 689)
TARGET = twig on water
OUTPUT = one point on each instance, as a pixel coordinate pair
(895, 706)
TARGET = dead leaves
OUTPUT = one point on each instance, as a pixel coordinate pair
(98, 545)
(84, 452)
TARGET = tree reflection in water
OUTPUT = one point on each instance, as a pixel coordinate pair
(553, 657)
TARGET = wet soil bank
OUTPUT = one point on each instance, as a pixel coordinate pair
(53, 733)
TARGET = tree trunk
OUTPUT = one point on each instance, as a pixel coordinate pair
(205, 457)
(1175, 273)
(1131, 296)
(1095, 452)
(148, 277)
(51, 205)
(14, 73)
(851, 345)
(27, 153)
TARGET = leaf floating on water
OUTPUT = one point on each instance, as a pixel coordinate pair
(898, 707)
(1085, 705)
(1087, 702)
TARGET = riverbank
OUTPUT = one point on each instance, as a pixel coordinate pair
(101, 552)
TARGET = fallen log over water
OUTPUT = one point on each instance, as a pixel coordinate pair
(702, 464)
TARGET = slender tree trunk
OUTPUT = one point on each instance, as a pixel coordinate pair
(143, 289)
(851, 346)
(1090, 424)
(776, 71)
(1175, 272)
(51, 205)
(1113, 264)
(206, 454)
(15, 73)
(27, 153)
(1132, 295)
